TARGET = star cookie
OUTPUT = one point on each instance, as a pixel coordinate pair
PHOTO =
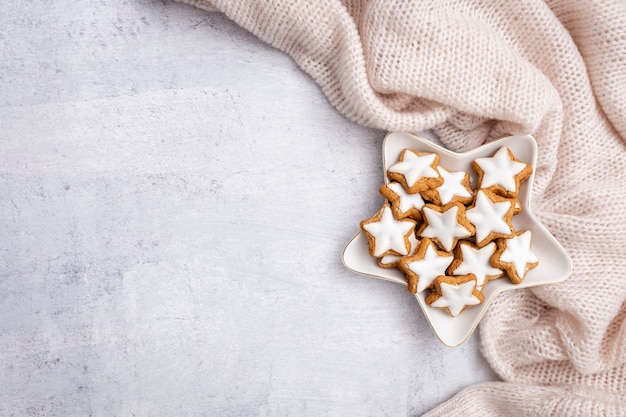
(468, 258)
(491, 216)
(416, 171)
(391, 261)
(386, 235)
(502, 173)
(424, 266)
(455, 188)
(515, 256)
(455, 294)
(445, 225)
(403, 204)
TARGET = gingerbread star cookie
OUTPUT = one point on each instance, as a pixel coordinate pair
(386, 235)
(455, 294)
(416, 171)
(391, 260)
(515, 256)
(455, 188)
(470, 259)
(445, 225)
(492, 217)
(403, 204)
(424, 266)
(502, 173)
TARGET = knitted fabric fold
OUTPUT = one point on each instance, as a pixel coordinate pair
(473, 71)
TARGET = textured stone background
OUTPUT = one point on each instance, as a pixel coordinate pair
(174, 199)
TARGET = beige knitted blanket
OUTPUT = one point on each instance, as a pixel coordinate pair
(475, 70)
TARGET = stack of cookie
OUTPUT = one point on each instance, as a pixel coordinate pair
(448, 238)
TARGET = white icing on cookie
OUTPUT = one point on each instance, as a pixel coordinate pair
(500, 170)
(414, 167)
(456, 297)
(518, 252)
(444, 226)
(430, 267)
(487, 216)
(452, 185)
(477, 262)
(392, 259)
(407, 201)
(389, 233)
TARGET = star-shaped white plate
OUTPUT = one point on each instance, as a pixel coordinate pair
(554, 263)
